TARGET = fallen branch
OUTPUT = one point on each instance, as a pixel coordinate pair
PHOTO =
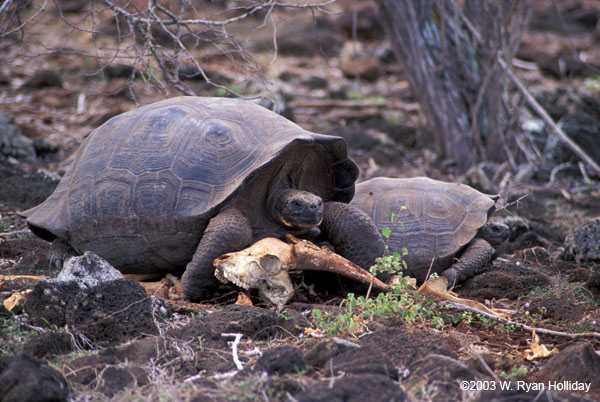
(28, 279)
(547, 119)
(437, 287)
(534, 104)
(15, 232)
(342, 103)
(518, 325)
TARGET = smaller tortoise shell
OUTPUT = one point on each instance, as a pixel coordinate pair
(433, 220)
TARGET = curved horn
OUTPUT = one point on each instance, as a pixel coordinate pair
(310, 257)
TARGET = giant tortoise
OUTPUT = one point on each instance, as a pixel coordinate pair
(177, 183)
(443, 226)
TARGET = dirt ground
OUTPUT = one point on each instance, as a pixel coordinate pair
(69, 343)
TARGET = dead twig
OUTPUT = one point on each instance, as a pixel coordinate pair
(547, 119)
(253, 10)
(15, 232)
(518, 325)
(341, 103)
(535, 105)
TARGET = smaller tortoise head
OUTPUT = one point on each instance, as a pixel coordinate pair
(298, 209)
(495, 233)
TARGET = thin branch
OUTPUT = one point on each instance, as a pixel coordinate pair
(518, 325)
(547, 119)
(534, 104)
(253, 10)
(34, 16)
(387, 104)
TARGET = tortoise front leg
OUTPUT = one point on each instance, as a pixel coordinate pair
(352, 233)
(473, 259)
(60, 251)
(227, 232)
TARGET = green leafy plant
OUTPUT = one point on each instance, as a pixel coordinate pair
(412, 307)
(520, 372)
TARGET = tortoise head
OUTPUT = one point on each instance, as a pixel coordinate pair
(298, 209)
(495, 233)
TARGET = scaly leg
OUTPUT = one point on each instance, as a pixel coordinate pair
(227, 232)
(472, 260)
(352, 233)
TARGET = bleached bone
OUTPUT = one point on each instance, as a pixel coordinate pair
(265, 265)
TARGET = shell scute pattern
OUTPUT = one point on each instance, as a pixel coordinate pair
(432, 219)
(144, 185)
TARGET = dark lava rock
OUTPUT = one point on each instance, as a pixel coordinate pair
(4, 79)
(376, 142)
(316, 82)
(14, 248)
(49, 344)
(366, 359)
(117, 70)
(12, 141)
(22, 190)
(300, 39)
(406, 345)
(279, 386)
(527, 240)
(47, 303)
(144, 352)
(32, 255)
(503, 280)
(199, 328)
(582, 242)
(112, 312)
(110, 372)
(322, 352)
(556, 309)
(577, 362)
(369, 69)
(438, 377)
(4, 313)
(282, 360)
(253, 322)
(113, 379)
(582, 128)
(593, 284)
(353, 388)
(44, 79)
(25, 379)
(362, 18)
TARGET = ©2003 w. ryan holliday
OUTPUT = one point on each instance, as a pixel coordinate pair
(553, 386)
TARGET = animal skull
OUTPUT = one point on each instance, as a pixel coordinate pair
(265, 265)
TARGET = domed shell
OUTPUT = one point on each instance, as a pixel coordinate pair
(431, 219)
(145, 184)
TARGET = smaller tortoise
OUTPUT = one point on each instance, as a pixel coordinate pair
(173, 185)
(443, 226)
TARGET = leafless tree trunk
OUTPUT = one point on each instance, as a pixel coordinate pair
(454, 75)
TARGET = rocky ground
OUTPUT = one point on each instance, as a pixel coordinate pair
(106, 339)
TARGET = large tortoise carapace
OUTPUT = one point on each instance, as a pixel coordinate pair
(177, 183)
(443, 226)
